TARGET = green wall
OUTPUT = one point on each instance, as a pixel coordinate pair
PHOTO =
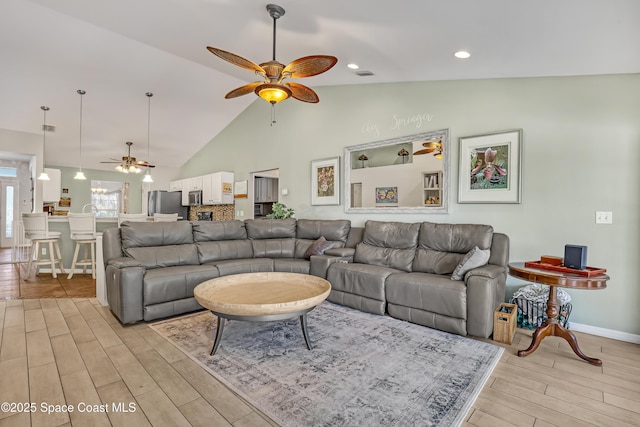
(581, 153)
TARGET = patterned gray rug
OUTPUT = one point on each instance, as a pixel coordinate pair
(364, 369)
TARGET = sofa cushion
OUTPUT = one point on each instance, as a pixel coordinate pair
(271, 228)
(428, 292)
(388, 244)
(142, 234)
(336, 231)
(441, 247)
(473, 259)
(164, 256)
(206, 231)
(288, 265)
(174, 283)
(239, 266)
(274, 248)
(224, 249)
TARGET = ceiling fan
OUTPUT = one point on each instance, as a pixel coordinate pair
(434, 147)
(129, 164)
(271, 88)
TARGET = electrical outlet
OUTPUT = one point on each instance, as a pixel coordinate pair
(604, 217)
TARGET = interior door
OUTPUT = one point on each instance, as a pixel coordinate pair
(8, 211)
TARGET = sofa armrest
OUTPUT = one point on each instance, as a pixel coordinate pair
(485, 291)
(123, 279)
(489, 271)
(341, 252)
(320, 264)
(124, 262)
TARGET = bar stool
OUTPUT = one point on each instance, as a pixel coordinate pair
(36, 229)
(160, 217)
(132, 218)
(82, 229)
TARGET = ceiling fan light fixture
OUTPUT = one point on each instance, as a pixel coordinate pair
(273, 93)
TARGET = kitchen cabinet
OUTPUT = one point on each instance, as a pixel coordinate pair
(175, 185)
(266, 190)
(51, 188)
(217, 188)
(194, 183)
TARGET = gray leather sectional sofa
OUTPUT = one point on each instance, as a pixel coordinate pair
(400, 269)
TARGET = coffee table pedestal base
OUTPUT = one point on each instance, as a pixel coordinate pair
(302, 315)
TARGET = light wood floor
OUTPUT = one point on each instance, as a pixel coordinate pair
(74, 351)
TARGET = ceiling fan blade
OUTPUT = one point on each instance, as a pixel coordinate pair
(242, 90)
(112, 162)
(431, 144)
(236, 60)
(310, 66)
(303, 93)
(425, 151)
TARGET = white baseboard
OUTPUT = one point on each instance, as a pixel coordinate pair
(607, 333)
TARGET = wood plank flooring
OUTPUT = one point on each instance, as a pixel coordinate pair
(73, 351)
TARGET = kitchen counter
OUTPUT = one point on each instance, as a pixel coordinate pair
(64, 218)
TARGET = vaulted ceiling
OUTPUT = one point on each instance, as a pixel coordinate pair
(117, 50)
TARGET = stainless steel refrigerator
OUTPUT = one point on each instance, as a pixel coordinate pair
(167, 202)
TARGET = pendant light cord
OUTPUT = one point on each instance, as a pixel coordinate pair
(81, 93)
(149, 95)
(44, 134)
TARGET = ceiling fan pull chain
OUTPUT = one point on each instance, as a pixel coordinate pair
(273, 114)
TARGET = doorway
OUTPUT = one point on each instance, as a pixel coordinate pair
(265, 191)
(8, 211)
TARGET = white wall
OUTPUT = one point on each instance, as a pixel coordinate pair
(581, 154)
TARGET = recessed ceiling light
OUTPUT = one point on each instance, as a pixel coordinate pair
(462, 54)
(353, 66)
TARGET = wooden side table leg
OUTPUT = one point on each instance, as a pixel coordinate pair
(543, 331)
(573, 342)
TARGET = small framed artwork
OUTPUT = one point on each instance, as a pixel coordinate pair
(325, 181)
(490, 168)
(386, 196)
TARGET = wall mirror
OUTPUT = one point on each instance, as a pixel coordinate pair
(409, 174)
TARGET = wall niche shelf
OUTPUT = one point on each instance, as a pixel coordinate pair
(432, 188)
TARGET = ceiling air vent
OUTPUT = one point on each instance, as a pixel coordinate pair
(48, 128)
(364, 73)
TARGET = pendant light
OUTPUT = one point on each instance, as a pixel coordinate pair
(43, 175)
(80, 174)
(147, 177)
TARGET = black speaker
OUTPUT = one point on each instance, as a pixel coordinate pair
(575, 257)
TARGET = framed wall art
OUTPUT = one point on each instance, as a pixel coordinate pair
(386, 196)
(325, 181)
(490, 168)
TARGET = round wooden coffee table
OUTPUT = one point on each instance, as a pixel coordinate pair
(262, 297)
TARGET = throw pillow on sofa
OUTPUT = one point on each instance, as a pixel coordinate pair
(475, 258)
(318, 247)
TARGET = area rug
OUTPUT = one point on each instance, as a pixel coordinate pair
(363, 370)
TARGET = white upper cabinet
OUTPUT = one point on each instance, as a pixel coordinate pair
(51, 188)
(217, 188)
